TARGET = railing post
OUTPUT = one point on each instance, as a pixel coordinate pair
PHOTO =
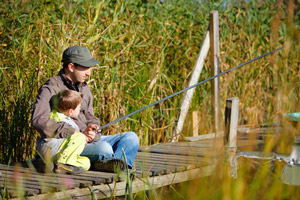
(231, 124)
(195, 123)
(189, 94)
(214, 60)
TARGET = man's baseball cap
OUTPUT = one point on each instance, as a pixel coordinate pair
(79, 55)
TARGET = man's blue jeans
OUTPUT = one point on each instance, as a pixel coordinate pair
(111, 147)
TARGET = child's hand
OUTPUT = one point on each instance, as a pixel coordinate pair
(90, 134)
(86, 139)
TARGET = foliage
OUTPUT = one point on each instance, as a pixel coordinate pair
(147, 50)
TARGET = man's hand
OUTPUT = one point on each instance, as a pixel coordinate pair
(94, 127)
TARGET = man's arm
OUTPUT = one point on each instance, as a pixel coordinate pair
(40, 119)
(92, 121)
(89, 114)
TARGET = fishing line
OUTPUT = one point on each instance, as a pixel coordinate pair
(190, 87)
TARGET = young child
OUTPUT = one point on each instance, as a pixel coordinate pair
(65, 152)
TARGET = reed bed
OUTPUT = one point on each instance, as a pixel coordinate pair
(147, 50)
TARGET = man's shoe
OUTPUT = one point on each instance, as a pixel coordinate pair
(109, 165)
(40, 165)
(67, 169)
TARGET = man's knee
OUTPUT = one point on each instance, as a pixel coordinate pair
(104, 150)
(131, 138)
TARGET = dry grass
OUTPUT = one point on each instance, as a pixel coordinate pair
(147, 50)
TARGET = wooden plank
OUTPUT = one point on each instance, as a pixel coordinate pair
(195, 123)
(171, 168)
(204, 144)
(81, 180)
(189, 93)
(214, 60)
(178, 148)
(27, 189)
(157, 171)
(185, 164)
(164, 162)
(11, 189)
(141, 172)
(191, 146)
(157, 168)
(204, 137)
(118, 189)
(168, 166)
(201, 144)
(51, 179)
(95, 176)
(169, 157)
(38, 182)
(85, 178)
(187, 151)
(34, 178)
(199, 153)
(245, 133)
(231, 121)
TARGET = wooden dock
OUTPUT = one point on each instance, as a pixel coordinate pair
(156, 166)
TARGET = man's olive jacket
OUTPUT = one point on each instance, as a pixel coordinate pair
(40, 119)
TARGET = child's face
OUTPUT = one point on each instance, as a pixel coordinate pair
(75, 112)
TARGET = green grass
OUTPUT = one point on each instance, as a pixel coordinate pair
(147, 51)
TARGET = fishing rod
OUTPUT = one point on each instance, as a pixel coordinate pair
(190, 87)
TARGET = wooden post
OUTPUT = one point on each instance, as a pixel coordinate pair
(195, 123)
(214, 60)
(189, 94)
(231, 124)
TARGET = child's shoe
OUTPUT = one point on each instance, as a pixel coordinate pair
(67, 169)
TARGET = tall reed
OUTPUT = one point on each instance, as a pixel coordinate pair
(147, 50)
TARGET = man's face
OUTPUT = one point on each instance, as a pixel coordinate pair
(80, 73)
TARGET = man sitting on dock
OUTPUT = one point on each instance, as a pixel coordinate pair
(105, 152)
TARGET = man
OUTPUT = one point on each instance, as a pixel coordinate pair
(104, 151)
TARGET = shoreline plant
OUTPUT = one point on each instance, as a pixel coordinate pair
(147, 51)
